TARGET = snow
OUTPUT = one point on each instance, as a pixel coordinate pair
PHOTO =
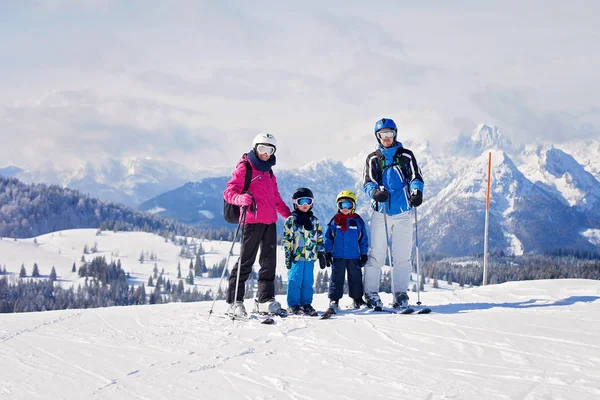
(63, 248)
(518, 340)
(156, 210)
(516, 246)
(207, 214)
(592, 235)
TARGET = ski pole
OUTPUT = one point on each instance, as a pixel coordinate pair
(239, 267)
(225, 266)
(387, 241)
(417, 255)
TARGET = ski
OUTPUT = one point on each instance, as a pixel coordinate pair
(405, 311)
(263, 319)
(328, 313)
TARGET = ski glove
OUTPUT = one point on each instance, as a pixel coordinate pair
(244, 200)
(328, 259)
(380, 195)
(322, 260)
(289, 260)
(363, 260)
(416, 198)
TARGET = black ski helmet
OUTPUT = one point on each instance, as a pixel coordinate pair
(300, 193)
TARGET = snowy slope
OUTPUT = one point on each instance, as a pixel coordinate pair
(519, 340)
(63, 248)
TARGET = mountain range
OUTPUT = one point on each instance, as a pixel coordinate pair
(544, 196)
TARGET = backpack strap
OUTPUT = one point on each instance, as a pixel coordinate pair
(396, 159)
(248, 176)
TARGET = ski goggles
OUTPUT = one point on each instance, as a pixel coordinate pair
(345, 204)
(265, 149)
(386, 134)
(303, 201)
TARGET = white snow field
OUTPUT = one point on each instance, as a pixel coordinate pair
(519, 340)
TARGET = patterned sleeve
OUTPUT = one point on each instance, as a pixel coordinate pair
(288, 236)
(319, 238)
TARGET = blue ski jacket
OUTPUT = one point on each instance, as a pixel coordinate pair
(396, 169)
(350, 244)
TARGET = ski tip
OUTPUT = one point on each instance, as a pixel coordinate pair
(326, 315)
(407, 311)
(424, 311)
(268, 321)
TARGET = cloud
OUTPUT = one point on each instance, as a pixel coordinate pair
(76, 126)
(194, 81)
(511, 109)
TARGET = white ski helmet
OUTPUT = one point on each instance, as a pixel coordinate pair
(264, 138)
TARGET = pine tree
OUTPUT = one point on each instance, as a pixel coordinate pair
(155, 270)
(74, 268)
(85, 249)
(190, 278)
(23, 272)
(36, 271)
(150, 281)
(52, 276)
(141, 259)
(178, 270)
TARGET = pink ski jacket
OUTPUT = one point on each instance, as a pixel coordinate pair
(263, 188)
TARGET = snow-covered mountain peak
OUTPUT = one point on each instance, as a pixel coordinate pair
(489, 136)
(323, 166)
(560, 173)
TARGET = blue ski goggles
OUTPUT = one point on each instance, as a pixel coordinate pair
(345, 204)
(303, 201)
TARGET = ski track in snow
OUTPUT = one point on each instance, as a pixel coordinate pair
(177, 351)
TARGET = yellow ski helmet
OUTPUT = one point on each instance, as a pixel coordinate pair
(346, 194)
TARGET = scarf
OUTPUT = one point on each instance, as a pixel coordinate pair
(390, 152)
(302, 219)
(259, 164)
(342, 220)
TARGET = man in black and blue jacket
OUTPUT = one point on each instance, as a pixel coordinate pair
(392, 179)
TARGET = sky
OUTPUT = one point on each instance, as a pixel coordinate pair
(194, 81)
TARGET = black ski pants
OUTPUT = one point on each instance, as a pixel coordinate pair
(338, 271)
(256, 236)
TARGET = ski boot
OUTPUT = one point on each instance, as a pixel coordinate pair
(400, 300)
(373, 301)
(309, 310)
(358, 303)
(296, 310)
(269, 307)
(237, 310)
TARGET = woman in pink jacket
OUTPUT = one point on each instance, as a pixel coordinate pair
(264, 202)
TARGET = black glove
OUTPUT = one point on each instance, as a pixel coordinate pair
(380, 195)
(363, 260)
(328, 259)
(288, 261)
(322, 260)
(416, 198)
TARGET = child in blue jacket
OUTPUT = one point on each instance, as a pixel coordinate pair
(303, 244)
(346, 247)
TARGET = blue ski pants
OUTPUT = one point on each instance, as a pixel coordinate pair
(300, 283)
